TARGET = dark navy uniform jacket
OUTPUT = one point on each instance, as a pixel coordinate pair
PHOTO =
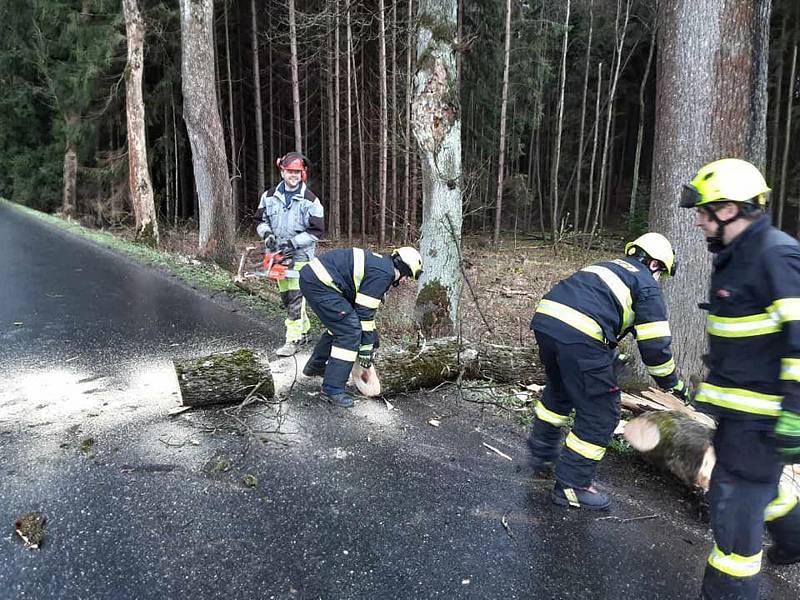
(605, 302)
(362, 277)
(754, 327)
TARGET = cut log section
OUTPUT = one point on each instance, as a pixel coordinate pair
(224, 378)
(675, 442)
(366, 380)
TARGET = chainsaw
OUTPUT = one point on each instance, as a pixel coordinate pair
(258, 262)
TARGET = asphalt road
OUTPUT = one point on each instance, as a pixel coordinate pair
(291, 499)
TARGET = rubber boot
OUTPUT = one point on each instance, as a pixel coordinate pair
(589, 499)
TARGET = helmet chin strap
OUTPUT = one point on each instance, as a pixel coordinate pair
(716, 243)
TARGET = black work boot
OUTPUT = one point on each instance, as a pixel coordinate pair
(541, 467)
(588, 498)
(341, 400)
(313, 370)
(779, 556)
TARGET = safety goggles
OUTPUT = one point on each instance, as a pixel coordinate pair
(690, 196)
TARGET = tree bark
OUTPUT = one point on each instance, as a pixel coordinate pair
(384, 125)
(69, 199)
(139, 184)
(710, 103)
(555, 202)
(203, 124)
(260, 180)
(235, 173)
(298, 131)
(579, 168)
(787, 138)
(436, 122)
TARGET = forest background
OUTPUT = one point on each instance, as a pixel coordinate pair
(557, 104)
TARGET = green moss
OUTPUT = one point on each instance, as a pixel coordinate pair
(432, 310)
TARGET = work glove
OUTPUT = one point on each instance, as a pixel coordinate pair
(365, 358)
(287, 248)
(680, 390)
(787, 436)
(271, 243)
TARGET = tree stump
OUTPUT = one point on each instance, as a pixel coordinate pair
(224, 378)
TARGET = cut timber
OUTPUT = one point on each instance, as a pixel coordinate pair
(675, 442)
(447, 359)
(366, 380)
(224, 378)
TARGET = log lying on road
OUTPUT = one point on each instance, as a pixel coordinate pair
(223, 378)
(447, 359)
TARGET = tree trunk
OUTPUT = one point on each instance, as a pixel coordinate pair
(235, 174)
(595, 132)
(555, 202)
(787, 138)
(393, 121)
(224, 378)
(336, 179)
(710, 103)
(436, 122)
(349, 123)
(579, 168)
(498, 210)
(259, 109)
(298, 131)
(139, 184)
(408, 157)
(384, 125)
(203, 124)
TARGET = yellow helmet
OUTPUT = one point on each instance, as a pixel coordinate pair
(726, 180)
(655, 246)
(408, 261)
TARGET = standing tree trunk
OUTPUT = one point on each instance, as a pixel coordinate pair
(204, 126)
(349, 123)
(436, 122)
(579, 168)
(69, 199)
(408, 142)
(557, 230)
(236, 176)
(710, 103)
(787, 138)
(498, 213)
(382, 152)
(298, 131)
(257, 99)
(140, 186)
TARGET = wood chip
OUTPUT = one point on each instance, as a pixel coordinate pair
(434, 422)
(496, 451)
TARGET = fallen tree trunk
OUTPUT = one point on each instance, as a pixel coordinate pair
(675, 442)
(445, 359)
(224, 378)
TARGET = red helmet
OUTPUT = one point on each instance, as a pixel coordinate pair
(293, 161)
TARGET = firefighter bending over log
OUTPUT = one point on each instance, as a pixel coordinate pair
(577, 325)
(345, 287)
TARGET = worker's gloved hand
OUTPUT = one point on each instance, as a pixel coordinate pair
(787, 436)
(271, 243)
(365, 358)
(680, 390)
(287, 248)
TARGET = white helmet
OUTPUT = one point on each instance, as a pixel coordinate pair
(408, 261)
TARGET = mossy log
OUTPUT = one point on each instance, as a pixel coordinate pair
(223, 378)
(675, 442)
(445, 359)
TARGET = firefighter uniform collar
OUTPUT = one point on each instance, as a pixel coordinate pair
(754, 231)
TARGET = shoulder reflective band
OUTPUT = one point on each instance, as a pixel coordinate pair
(785, 309)
(322, 274)
(649, 331)
(548, 416)
(734, 564)
(790, 369)
(358, 267)
(735, 327)
(621, 292)
(585, 449)
(781, 505)
(572, 317)
(367, 325)
(662, 370)
(367, 301)
(343, 354)
(739, 399)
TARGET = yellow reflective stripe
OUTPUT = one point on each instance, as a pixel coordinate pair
(663, 369)
(739, 399)
(343, 354)
(734, 564)
(367, 325)
(548, 416)
(781, 505)
(621, 291)
(655, 329)
(571, 317)
(322, 274)
(572, 497)
(367, 347)
(367, 301)
(586, 449)
(785, 309)
(358, 267)
(790, 369)
(733, 327)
